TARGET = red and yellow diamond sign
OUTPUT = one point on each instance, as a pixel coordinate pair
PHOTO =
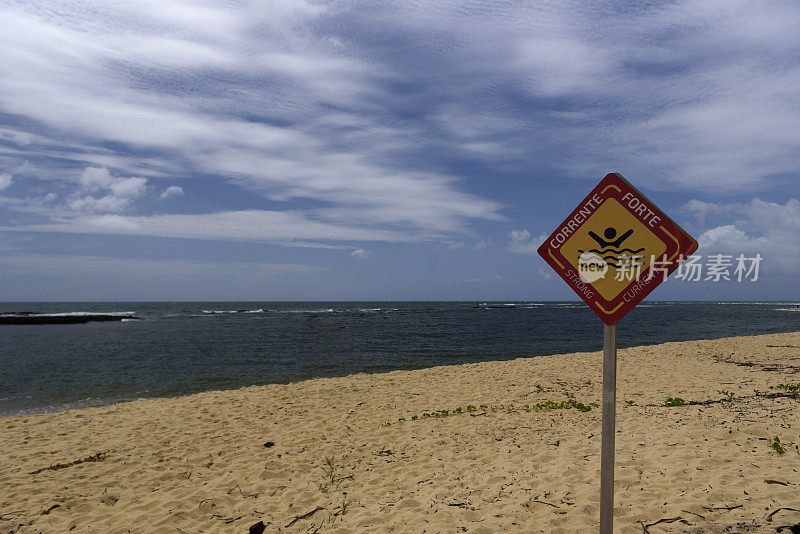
(615, 248)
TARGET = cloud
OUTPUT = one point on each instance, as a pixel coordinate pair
(371, 120)
(128, 187)
(521, 242)
(171, 192)
(253, 104)
(727, 235)
(105, 203)
(756, 227)
(118, 193)
(5, 181)
(59, 266)
(483, 244)
(703, 210)
(246, 225)
(361, 253)
(283, 102)
(660, 92)
(94, 178)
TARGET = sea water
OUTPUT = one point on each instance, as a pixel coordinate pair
(183, 348)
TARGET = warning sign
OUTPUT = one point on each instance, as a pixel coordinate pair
(615, 248)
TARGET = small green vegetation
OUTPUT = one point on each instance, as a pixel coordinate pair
(581, 407)
(546, 405)
(337, 512)
(775, 443)
(573, 404)
(331, 478)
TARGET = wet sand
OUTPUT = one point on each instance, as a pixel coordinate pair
(318, 456)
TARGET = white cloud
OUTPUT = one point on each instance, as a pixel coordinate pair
(94, 178)
(70, 77)
(757, 227)
(695, 93)
(703, 210)
(171, 192)
(104, 203)
(129, 187)
(117, 193)
(112, 224)
(483, 244)
(723, 235)
(361, 253)
(521, 242)
(60, 265)
(248, 225)
(5, 181)
(12, 135)
(300, 102)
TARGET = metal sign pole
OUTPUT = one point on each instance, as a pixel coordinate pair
(608, 433)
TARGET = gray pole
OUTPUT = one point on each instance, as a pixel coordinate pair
(609, 416)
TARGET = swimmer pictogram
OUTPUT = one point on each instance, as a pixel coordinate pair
(610, 233)
(613, 257)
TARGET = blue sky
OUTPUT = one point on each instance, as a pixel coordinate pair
(383, 151)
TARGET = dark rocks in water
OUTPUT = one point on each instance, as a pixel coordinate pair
(29, 318)
(258, 528)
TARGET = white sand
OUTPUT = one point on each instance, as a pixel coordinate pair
(199, 464)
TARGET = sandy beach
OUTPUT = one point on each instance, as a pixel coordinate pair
(318, 456)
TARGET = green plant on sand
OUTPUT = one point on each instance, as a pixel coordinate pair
(471, 408)
(331, 479)
(775, 443)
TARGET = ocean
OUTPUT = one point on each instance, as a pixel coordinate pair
(181, 348)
